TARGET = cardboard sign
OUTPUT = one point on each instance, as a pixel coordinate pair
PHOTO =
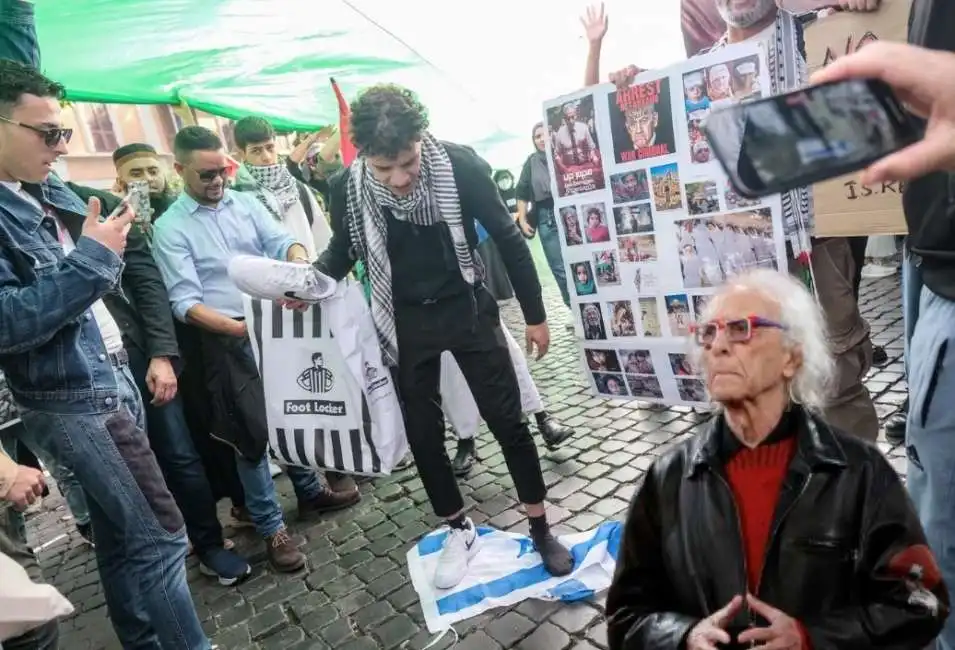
(844, 206)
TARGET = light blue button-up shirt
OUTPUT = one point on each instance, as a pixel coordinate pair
(194, 243)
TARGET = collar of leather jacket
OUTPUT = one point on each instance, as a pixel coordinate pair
(816, 445)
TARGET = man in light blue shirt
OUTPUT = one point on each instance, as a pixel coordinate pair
(193, 242)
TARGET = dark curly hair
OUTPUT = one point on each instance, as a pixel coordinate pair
(386, 120)
(17, 80)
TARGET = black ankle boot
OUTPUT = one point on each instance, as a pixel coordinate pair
(553, 431)
(464, 458)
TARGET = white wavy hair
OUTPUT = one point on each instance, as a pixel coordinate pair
(805, 331)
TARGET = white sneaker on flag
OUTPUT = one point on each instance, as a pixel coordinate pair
(267, 279)
(459, 547)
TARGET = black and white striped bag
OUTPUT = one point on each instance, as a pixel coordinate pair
(331, 402)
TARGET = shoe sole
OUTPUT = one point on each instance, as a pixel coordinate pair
(288, 569)
(225, 582)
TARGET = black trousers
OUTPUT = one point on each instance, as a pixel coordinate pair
(470, 328)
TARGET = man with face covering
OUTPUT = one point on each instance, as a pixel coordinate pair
(834, 266)
(407, 208)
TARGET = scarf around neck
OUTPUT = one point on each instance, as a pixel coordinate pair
(276, 188)
(787, 72)
(434, 200)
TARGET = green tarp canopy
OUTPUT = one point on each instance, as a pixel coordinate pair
(482, 68)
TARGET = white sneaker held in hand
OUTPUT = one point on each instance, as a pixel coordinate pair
(268, 279)
(460, 546)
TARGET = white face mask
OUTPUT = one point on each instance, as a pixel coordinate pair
(743, 18)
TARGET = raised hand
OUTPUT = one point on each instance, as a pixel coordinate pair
(110, 232)
(595, 23)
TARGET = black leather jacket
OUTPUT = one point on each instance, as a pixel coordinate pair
(844, 556)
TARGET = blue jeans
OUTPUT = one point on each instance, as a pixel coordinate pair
(140, 541)
(930, 433)
(260, 498)
(65, 478)
(550, 242)
(911, 291)
(171, 441)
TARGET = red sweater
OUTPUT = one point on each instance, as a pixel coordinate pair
(756, 477)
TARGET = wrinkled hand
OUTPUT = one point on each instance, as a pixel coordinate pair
(711, 631)
(161, 381)
(624, 78)
(595, 23)
(27, 487)
(111, 232)
(782, 634)
(913, 73)
(538, 336)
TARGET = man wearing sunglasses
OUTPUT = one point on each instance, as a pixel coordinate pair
(63, 357)
(193, 243)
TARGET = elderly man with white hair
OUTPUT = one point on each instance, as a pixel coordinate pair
(771, 529)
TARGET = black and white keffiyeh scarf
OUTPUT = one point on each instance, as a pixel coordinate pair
(434, 200)
(787, 72)
(276, 188)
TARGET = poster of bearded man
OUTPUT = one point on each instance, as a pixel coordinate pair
(641, 121)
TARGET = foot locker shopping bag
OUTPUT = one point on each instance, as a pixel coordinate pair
(331, 403)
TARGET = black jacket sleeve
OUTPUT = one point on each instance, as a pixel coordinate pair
(337, 260)
(142, 279)
(906, 599)
(479, 197)
(523, 190)
(640, 610)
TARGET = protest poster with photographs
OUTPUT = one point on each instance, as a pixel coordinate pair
(575, 152)
(648, 239)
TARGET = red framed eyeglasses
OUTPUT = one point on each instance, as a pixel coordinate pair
(738, 330)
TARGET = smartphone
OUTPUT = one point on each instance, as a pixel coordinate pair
(138, 194)
(776, 144)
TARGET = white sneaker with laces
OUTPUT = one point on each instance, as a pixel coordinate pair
(268, 279)
(459, 547)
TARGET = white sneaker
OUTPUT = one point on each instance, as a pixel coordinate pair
(275, 470)
(268, 279)
(459, 547)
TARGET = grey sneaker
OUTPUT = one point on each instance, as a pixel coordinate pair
(268, 279)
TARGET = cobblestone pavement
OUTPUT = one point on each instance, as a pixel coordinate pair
(356, 594)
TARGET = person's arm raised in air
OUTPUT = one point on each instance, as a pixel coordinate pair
(595, 24)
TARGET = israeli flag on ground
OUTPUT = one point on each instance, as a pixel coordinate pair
(507, 570)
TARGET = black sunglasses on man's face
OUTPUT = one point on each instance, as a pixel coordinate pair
(51, 135)
(209, 175)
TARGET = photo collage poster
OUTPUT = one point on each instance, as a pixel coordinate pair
(649, 223)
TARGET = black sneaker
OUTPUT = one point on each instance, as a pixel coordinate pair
(464, 458)
(880, 357)
(86, 532)
(895, 425)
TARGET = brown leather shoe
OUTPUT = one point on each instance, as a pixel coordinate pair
(327, 501)
(282, 552)
(340, 482)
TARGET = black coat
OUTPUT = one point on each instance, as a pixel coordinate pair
(840, 558)
(480, 202)
(143, 314)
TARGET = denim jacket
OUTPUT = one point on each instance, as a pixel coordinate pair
(51, 350)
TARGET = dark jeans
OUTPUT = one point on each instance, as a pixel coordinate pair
(550, 241)
(185, 475)
(471, 330)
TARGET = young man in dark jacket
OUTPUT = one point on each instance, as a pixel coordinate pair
(407, 209)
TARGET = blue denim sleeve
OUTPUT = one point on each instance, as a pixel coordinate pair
(18, 40)
(177, 268)
(32, 315)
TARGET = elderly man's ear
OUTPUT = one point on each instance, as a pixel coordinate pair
(792, 363)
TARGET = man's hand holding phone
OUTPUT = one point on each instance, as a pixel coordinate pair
(110, 232)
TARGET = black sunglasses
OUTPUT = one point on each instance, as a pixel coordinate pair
(51, 135)
(209, 175)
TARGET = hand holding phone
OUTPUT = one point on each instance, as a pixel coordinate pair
(779, 143)
(111, 231)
